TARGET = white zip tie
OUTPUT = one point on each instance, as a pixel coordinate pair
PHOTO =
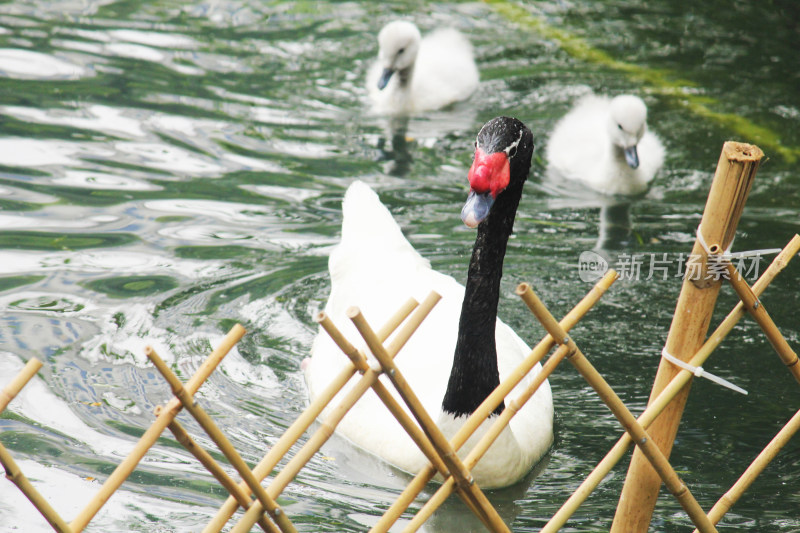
(700, 373)
(728, 256)
(724, 255)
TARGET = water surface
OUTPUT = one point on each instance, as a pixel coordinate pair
(168, 169)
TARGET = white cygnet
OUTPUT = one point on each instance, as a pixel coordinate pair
(604, 143)
(414, 74)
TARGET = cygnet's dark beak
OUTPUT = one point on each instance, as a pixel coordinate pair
(384, 79)
(632, 156)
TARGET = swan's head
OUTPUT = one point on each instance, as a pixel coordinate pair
(503, 153)
(399, 44)
(627, 124)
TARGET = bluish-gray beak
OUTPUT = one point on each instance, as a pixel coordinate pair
(476, 208)
(384, 79)
(632, 156)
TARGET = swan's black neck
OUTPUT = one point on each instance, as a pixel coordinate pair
(474, 374)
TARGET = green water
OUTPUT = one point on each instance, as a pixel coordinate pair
(168, 169)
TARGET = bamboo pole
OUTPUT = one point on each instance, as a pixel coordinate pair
(124, 469)
(223, 443)
(766, 456)
(332, 420)
(639, 435)
(413, 430)
(22, 378)
(761, 316)
(662, 400)
(360, 361)
(13, 472)
(464, 481)
(304, 421)
(15, 475)
(737, 166)
(483, 411)
(241, 495)
(486, 441)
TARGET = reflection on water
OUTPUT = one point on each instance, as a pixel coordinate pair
(615, 228)
(169, 169)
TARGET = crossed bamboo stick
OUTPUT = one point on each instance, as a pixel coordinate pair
(440, 452)
(657, 405)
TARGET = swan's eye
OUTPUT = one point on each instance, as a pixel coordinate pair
(619, 126)
(401, 51)
(512, 152)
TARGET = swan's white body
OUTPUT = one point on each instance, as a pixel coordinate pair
(443, 69)
(587, 145)
(376, 269)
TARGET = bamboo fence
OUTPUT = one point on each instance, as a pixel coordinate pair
(737, 166)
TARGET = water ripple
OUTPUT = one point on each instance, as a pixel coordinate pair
(30, 65)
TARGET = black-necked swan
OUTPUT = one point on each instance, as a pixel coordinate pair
(462, 350)
(604, 143)
(415, 74)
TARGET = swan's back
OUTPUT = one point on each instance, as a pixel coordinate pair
(445, 71)
(372, 251)
(579, 145)
(376, 268)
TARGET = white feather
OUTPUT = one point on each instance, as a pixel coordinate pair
(444, 69)
(586, 145)
(377, 269)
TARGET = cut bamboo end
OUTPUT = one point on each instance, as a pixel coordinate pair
(443, 453)
(736, 170)
(733, 179)
(742, 152)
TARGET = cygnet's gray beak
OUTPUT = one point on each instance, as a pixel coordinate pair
(384, 79)
(632, 156)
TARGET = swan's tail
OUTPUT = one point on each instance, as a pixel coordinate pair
(369, 234)
(365, 218)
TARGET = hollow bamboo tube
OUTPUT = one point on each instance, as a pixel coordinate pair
(755, 469)
(304, 421)
(483, 411)
(655, 407)
(242, 496)
(222, 442)
(124, 469)
(22, 378)
(483, 445)
(737, 166)
(13, 472)
(332, 420)
(639, 435)
(464, 481)
(761, 316)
